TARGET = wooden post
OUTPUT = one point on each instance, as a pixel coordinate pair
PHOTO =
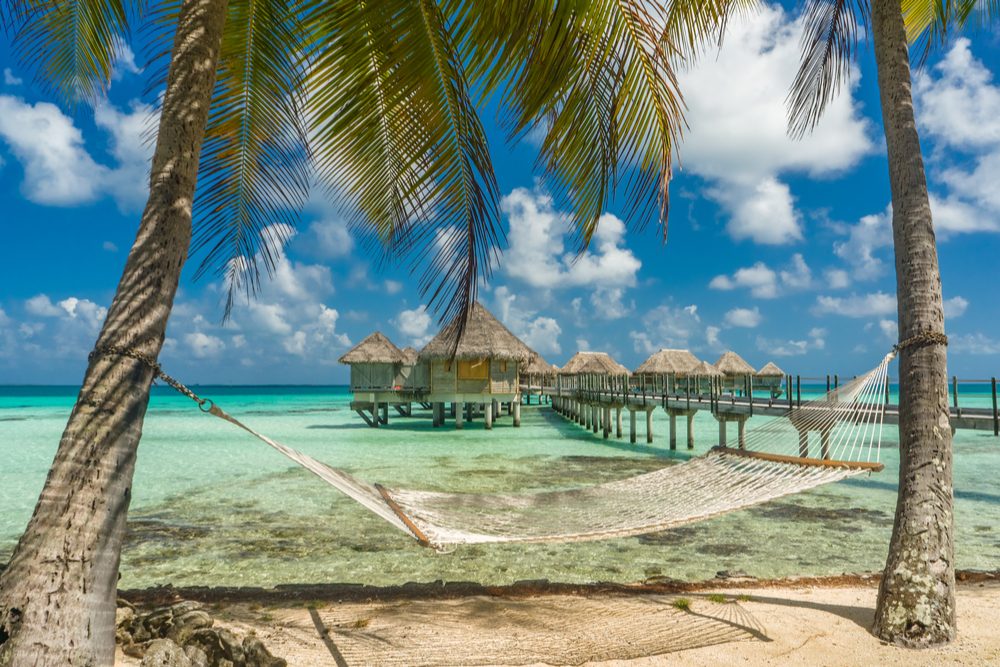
(954, 393)
(618, 422)
(798, 390)
(690, 425)
(385, 413)
(788, 388)
(741, 433)
(996, 415)
(824, 439)
(749, 394)
(649, 427)
(828, 383)
(673, 429)
(836, 382)
(459, 415)
(722, 432)
(595, 418)
(804, 444)
(607, 422)
(375, 416)
(488, 415)
(631, 426)
(517, 414)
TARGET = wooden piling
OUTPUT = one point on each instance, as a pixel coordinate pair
(618, 422)
(649, 427)
(488, 415)
(954, 394)
(631, 426)
(690, 425)
(673, 429)
(722, 432)
(517, 414)
(996, 415)
(459, 415)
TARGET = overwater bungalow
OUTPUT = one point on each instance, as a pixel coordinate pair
(593, 363)
(705, 377)
(665, 367)
(376, 377)
(536, 375)
(414, 374)
(480, 366)
(770, 377)
(739, 374)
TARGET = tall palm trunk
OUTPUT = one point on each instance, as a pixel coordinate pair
(57, 595)
(916, 602)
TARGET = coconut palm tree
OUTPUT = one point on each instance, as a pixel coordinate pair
(916, 601)
(378, 100)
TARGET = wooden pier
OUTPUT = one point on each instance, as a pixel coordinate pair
(598, 403)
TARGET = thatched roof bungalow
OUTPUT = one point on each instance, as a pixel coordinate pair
(481, 361)
(375, 363)
(414, 374)
(770, 377)
(593, 363)
(538, 367)
(737, 371)
(677, 363)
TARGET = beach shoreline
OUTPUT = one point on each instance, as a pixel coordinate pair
(734, 620)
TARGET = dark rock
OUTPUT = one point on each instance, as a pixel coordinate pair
(187, 623)
(733, 574)
(164, 653)
(257, 654)
(219, 645)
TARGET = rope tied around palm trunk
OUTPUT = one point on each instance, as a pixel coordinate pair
(921, 340)
(204, 404)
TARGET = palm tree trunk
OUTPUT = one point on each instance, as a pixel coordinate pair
(916, 602)
(57, 595)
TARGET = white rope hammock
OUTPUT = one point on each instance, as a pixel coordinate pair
(844, 429)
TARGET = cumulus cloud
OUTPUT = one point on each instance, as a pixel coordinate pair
(977, 343)
(737, 138)
(109, 246)
(203, 345)
(792, 348)
(765, 283)
(59, 170)
(540, 333)
(668, 326)
(955, 307)
(866, 305)
(415, 324)
(744, 317)
(327, 235)
(537, 252)
(10, 79)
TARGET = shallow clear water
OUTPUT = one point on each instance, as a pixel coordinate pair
(212, 506)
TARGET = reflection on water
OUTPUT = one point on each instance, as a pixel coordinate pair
(214, 507)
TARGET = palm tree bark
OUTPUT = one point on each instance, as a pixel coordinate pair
(916, 602)
(57, 595)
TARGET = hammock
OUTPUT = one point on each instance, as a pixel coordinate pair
(773, 461)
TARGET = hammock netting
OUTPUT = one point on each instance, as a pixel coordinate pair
(822, 441)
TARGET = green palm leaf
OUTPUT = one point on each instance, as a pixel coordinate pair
(398, 140)
(71, 45)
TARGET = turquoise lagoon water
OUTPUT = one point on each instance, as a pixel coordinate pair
(212, 506)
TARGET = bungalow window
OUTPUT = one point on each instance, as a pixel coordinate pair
(473, 369)
(503, 366)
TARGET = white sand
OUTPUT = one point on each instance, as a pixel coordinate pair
(776, 626)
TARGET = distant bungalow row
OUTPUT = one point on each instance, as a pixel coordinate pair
(480, 370)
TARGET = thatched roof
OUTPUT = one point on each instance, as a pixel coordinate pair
(375, 349)
(678, 362)
(598, 363)
(731, 363)
(484, 338)
(409, 356)
(705, 369)
(771, 370)
(538, 366)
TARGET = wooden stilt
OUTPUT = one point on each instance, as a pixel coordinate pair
(722, 433)
(618, 422)
(459, 415)
(741, 433)
(517, 414)
(488, 415)
(649, 427)
(673, 429)
(631, 426)
(690, 425)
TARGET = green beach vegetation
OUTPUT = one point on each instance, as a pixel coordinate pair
(378, 101)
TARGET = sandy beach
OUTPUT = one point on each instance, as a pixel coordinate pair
(809, 621)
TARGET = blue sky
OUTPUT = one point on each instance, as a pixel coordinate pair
(780, 250)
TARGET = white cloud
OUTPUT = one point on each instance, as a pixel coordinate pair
(326, 237)
(393, 287)
(737, 137)
(537, 253)
(955, 307)
(793, 348)
(668, 327)
(759, 279)
(415, 324)
(867, 305)
(540, 333)
(837, 278)
(765, 283)
(109, 246)
(864, 239)
(10, 79)
(58, 169)
(203, 346)
(42, 306)
(744, 317)
(977, 343)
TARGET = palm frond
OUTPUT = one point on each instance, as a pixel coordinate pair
(71, 46)
(929, 23)
(829, 40)
(595, 77)
(254, 173)
(692, 26)
(397, 138)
